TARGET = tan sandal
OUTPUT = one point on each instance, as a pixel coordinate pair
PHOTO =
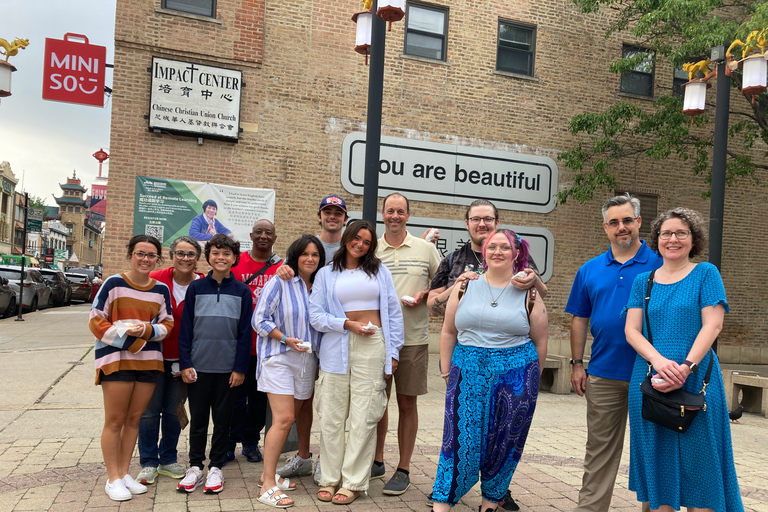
(349, 496)
(330, 490)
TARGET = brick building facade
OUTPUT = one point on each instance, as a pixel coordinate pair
(305, 90)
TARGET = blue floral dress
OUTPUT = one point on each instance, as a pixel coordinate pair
(694, 469)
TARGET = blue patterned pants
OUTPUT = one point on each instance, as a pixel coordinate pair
(489, 406)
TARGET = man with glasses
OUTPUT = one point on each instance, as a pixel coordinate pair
(255, 268)
(599, 293)
(481, 218)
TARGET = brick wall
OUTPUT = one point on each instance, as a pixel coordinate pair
(307, 89)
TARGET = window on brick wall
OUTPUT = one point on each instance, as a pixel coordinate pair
(516, 47)
(639, 81)
(649, 210)
(426, 31)
(200, 7)
(680, 78)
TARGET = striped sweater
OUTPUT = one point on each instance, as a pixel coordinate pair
(119, 299)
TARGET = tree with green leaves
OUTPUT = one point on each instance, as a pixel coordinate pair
(37, 202)
(678, 31)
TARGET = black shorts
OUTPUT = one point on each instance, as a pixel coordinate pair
(148, 376)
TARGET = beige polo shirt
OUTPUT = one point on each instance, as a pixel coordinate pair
(412, 265)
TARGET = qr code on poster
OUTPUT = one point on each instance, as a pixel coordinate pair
(155, 231)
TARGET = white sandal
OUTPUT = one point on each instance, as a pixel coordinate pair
(273, 497)
(285, 485)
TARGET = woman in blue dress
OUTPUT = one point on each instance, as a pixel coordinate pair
(686, 309)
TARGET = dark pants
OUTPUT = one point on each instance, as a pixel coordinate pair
(250, 413)
(161, 413)
(212, 395)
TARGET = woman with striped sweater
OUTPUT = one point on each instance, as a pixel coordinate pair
(130, 316)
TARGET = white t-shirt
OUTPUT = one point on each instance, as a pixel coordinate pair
(180, 291)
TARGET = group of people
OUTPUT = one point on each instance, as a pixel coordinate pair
(325, 332)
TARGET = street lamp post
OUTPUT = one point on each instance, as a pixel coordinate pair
(373, 122)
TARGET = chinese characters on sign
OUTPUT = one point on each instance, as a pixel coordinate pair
(195, 99)
(74, 71)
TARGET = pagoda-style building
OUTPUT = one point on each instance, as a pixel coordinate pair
(85, 237)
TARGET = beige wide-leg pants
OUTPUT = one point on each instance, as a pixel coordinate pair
(358, 396)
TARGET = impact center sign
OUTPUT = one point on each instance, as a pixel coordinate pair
(446, 173)
(195, 99)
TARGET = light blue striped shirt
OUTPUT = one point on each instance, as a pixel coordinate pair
(283, 305)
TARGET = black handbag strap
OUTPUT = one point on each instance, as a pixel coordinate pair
(271, 261)
(648, 328)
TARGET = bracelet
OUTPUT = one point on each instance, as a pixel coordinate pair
(282, 340)
(445, 375)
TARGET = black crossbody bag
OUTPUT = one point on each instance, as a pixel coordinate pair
(273, 260)
(677, 409)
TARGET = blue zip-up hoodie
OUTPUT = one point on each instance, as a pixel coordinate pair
(215, 334)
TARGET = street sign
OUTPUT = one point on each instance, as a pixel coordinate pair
(74, 71)
(34, 220)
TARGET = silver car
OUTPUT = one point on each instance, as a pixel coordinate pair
(7, 299)
(36, 292)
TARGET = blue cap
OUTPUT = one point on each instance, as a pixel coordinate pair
(333, 200)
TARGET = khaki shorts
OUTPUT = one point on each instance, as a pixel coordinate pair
(411, 374)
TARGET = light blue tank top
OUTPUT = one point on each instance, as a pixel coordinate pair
(482, 325)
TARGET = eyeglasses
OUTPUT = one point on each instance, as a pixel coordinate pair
(627, 221)
(188, 255)
(149, 255)
(478, 220)
(680, 234)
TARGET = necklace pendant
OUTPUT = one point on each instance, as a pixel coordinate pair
(494, 304)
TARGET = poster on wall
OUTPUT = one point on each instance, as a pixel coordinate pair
(168, 209)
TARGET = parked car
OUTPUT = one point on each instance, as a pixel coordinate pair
(61, 289)
(82, 287)
(36, 292)
(87, 271)
(7, 298)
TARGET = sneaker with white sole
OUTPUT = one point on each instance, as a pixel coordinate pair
(296, 466)
(317, 473)
(215, 481)
(173, 470)
(133, 486)
(147, 475)
(193, 478)
(117, 490)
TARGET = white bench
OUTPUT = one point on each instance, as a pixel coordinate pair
(754, 391)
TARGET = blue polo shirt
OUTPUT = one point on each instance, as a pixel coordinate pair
(600, 292)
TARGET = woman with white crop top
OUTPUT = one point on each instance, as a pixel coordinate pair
(355, 305)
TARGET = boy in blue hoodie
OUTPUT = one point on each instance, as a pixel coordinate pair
(214, 351)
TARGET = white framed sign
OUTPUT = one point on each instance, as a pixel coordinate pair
(195, 99)
(451, 174)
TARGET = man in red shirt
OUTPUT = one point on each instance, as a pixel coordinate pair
(255, 268)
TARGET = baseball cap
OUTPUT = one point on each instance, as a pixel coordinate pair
(332, 200)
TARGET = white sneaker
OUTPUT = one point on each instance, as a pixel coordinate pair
(193, 479)
(215, 482)
(117, 490)
(133, 486)
(318, 474)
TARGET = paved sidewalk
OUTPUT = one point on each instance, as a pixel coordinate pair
(51, 417)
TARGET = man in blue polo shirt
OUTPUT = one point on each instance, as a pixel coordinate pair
(599, 293)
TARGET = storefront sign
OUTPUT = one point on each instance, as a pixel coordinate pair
(195, 99)
(167, 209)
(73, 70)
(446, 173)
(453, 234)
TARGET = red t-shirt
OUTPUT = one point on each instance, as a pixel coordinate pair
(245, 268)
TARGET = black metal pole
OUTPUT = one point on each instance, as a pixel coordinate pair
(20, 318)
(373, 129)
(719, 153)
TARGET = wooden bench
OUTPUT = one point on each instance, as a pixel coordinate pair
(556, 375)
(754, 391)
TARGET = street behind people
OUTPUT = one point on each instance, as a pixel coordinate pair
(286, 369)
(355, 305)
(214, 346)
(130, 317)
(685, 314)
(491, 361)
(599, 293)
(162, 411)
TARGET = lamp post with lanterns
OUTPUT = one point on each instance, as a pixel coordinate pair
(8, 50)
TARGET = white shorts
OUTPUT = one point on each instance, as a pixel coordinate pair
(290, 373)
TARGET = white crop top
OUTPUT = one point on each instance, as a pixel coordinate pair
(357, 291)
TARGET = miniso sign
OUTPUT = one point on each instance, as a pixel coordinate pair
(195, 99)
(445, 173)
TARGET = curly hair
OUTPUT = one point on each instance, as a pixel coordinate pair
(222, 241)
(692, 219)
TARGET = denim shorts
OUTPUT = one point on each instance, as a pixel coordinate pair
(148, 376)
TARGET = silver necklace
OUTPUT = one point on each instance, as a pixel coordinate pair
(495, 302)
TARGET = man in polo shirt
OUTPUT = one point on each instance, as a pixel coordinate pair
(413, 263)
(599, 293)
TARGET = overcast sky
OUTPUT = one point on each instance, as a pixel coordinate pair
(45, 140)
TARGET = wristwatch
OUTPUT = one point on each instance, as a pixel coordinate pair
(693, 366)
(577, 361)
